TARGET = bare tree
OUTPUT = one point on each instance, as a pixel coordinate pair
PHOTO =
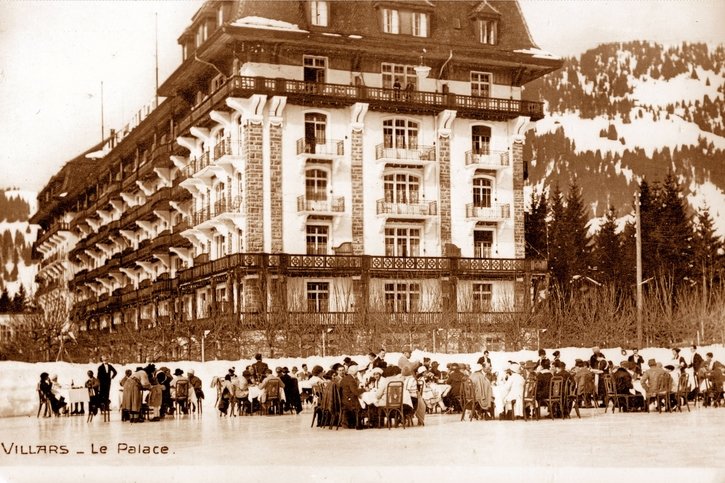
(43, 334)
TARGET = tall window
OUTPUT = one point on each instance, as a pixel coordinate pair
(482, 243)
(318, 13)
(481, 84)
(402, 242)
(317, 236)
(482, 296)
(316, 185)
(391, 21)
(402, 297)
(403, 74)
(401, 188)
(482, 190)
(481, 139)
(318, 296)
(420, 24)
(315, 130)
(219, 205)
(400, 133)
(221, 247)
(488, 31)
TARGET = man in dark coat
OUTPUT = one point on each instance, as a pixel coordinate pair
(259, 368)
(455, 380)
(291, 391)
(622, 378)
(350, 392)
(637, 359)
(697, 360)
(543, 381)
(380, 360)
(106, 372)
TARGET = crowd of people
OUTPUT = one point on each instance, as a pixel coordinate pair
(150, 393)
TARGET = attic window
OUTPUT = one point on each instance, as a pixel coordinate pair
(405, 22)
(488, 31)
(319, 13)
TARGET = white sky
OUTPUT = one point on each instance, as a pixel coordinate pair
(54, 56)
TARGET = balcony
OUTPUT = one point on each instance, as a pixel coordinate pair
(206, 269)
(225, 147)
(407, 210)
(495, 212)
(197, 164)
(417, 155)
(330, 206)
(487, 159)
(379, 99)
(55, 228)
(227, 205)
(310, 148)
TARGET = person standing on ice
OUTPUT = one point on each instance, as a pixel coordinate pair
(106, 372)
(132, 395)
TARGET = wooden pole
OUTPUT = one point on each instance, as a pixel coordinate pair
(638, 221)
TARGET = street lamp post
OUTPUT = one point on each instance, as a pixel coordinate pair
(203, 340)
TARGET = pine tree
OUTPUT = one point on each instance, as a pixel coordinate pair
(18, 302)
(607, 251)
(706, 245)
(648, 224)
(557, 242)
(673, 232)
(4, 301)
(576, 219)
(535, 227)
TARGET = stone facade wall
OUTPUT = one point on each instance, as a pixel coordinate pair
(517, 155)
(276, 208)
(356, 162)
(444, 204)
(253, 189)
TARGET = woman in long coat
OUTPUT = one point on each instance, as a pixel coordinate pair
(132, 395)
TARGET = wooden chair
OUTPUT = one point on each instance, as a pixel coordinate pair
(556, 393)
(530, 398)
(181, 401)
(273, 398)
(683, 388)
(393, 403)
(468, 399)
(571, 400)
(43, 405)
(663, 393)
(323, 404)
(611, 394)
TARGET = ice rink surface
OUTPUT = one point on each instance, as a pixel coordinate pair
(684, 447)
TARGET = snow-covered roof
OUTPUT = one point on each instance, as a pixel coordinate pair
(267, 23)
(538, 53)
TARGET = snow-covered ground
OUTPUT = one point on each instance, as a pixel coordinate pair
(19, 379)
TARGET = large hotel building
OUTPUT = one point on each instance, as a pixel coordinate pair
(314, 169)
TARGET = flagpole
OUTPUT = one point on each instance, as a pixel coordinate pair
(156, 91)
(102, 126)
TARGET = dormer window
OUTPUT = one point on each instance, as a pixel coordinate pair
(405, 22)
(488, 31)
(319, 13)
(220, 15)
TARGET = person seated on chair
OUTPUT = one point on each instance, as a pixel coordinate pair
(513, 393)
(482, 392)
(57, 404)
(543, 381)
(542, 358)
(291, 392)
(94, 386)
(350, 393)
(650, 378)
(259, 368)
(266, 382)
(584, 378)
(410, 385)
(380, 360)
(623, 377)
(455, 380)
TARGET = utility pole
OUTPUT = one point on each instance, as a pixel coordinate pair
(156, 90)
(102, 126)
(638, 224)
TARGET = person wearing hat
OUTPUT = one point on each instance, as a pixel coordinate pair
(628, 398)
(404, 359)
(132, 399)
(350, 392)
(380, 360)
(484, 359)
(542, 358)
(594, 359)
(94, 387)
(482, 392)
(196, 393)
(651, 378)
(543, 381)
(293, 401)
(513, 393)
(455, 380)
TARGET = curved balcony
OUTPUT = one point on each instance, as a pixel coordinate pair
(417, 155)
(487, 159)
(331, 206)
(228, 205)
(496, 212)
(320, 148)
(407, 210)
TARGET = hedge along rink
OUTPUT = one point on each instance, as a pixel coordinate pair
(18, 380)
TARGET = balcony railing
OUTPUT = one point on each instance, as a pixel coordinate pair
(225, 147)
(381, 99)
(329, 147)
(227, 204)
(52, 230)
(429, 208)
(335, 204)
(418, 154)
(493, 212)
(486, 158)
(197, 164)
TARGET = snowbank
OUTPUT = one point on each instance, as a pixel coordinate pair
(19, 379)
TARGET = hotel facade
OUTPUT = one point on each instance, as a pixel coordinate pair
(348, 171)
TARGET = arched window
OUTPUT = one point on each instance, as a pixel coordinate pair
(482, 192)
(402, 188)
(400, 133)
(316, 185)
(315, 130)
